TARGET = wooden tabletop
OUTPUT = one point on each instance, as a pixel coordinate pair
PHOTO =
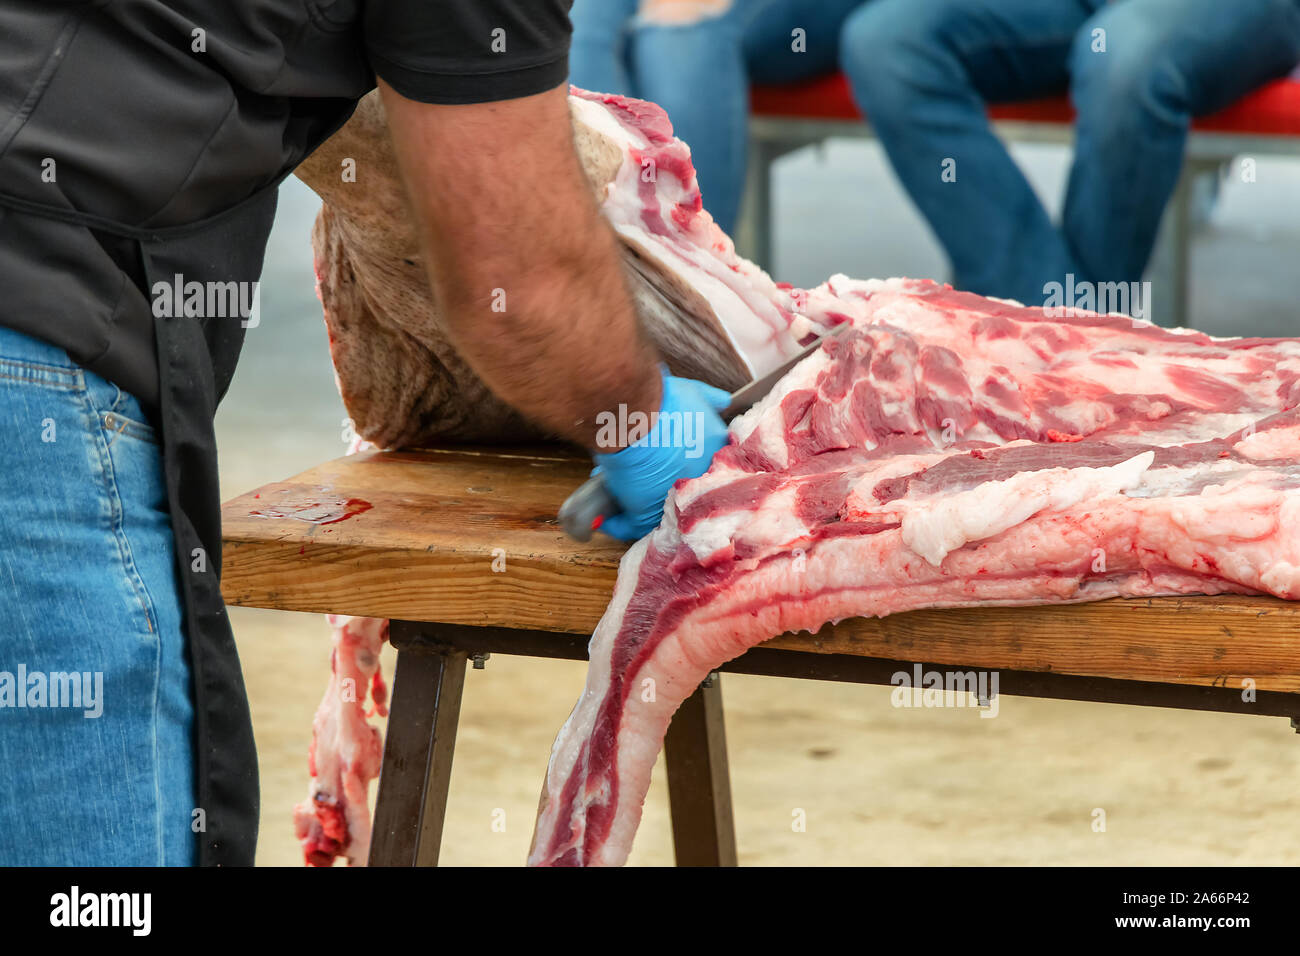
(469, 536)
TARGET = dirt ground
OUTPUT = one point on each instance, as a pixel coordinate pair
(876, 784)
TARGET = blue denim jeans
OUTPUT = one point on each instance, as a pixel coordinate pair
(700, 71)
(1137, 71)
(96, 756)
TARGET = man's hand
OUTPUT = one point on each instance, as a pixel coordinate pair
(682, 440)
(522, 266)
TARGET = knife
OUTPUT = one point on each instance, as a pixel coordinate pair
(587, 508)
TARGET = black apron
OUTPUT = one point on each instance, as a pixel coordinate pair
(166, 164)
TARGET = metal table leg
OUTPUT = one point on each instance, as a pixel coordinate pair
(699, 785)
(416, 773)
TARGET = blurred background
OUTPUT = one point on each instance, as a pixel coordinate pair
(878, 784)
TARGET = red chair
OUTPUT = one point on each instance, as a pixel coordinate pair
(786, 118)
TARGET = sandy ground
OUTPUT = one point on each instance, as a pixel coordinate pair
(876, 784)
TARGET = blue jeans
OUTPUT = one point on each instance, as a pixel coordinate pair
(1137, 71)
(97, 769)
(700, 71)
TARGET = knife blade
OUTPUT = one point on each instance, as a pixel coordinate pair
(586, 509)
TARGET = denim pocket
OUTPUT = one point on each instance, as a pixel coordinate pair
(119, 413)
(117, 425)
(25, 361)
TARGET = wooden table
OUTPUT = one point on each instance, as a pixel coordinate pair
(414, 537)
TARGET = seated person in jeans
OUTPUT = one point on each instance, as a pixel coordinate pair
(696, 58)
(1137, 72)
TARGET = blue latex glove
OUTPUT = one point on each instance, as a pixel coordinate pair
(684, 439)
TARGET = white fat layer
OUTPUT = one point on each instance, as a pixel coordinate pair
(1177, 482)
(1282, 577)
(1270, 444)
(742, 301)
(754, 327)
(934, 528)
(598, 117)
(776, 522)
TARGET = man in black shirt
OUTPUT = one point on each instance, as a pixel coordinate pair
(140, 144)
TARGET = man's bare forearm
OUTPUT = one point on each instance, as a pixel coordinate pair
(524, 269)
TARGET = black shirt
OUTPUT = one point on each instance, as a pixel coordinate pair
(468, 51)
(164, 114)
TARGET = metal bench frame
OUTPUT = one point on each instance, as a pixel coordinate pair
(430, 679)
(1170, 267)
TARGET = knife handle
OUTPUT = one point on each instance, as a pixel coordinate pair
(586, 509)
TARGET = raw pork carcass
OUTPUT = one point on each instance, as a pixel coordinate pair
(948, 450)
(346, 750)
